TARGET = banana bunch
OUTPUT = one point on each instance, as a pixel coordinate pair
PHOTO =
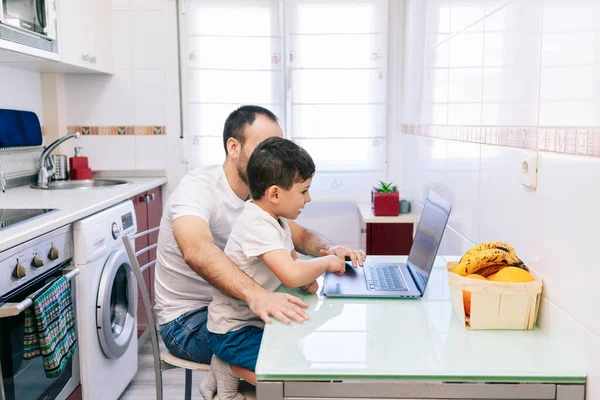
(488, 258)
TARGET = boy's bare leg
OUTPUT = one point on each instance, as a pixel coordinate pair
(208, 387)
(227, 381)
(244, 374)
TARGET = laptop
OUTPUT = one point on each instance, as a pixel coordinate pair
(397, 280)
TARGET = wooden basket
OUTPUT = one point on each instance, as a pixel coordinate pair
(496, 305)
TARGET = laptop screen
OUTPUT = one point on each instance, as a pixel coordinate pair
(428, 237)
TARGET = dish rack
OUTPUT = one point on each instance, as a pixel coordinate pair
(19, 165)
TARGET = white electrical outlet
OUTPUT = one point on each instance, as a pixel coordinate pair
(529, 167)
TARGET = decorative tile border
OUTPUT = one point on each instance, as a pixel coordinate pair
(119, 130)
(577, 141)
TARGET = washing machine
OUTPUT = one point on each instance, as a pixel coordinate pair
(106, 301)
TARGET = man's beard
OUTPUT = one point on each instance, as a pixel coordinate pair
(240, 168)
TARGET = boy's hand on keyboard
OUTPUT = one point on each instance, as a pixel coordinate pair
(335, 264)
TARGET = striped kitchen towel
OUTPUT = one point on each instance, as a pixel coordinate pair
(50, 327)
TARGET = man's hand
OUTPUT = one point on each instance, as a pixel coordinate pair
(282, 306)
(311, 288)
(357, 257)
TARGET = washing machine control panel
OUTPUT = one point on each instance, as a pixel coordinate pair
(127, 221)
(22, 263)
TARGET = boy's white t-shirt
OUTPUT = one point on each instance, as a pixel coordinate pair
(254, 233)
(205, 193)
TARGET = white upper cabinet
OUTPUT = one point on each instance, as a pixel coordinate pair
(85, 34)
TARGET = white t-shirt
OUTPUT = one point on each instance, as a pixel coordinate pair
(255, 233)
(205, 193)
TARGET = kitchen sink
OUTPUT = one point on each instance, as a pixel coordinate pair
(80, 184)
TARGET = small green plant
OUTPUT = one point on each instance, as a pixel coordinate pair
(385, 187)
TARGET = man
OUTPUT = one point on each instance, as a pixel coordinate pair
(196, 223)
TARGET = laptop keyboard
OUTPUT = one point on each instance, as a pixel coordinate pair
(384, 278)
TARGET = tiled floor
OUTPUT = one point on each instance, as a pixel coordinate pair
(143, 385)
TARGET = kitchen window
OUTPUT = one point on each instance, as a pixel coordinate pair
(319, 65)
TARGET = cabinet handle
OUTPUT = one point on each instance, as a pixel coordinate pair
(85, 57)
(363, 230)
(152, 196)
(93, 59)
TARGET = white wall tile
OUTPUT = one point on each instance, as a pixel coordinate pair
(552, 318)
(462, 187)
(434, 113)
(464, 85)
(509, 84)
(149, 97)
(150, 39)
(453, 243)
(570, 83)
(566, 223)
(438, 15)
(338, 222)
(147, 5)
(150, 152)
(430, 168)
(570, 48)
(512, 16)
(466, 50)
(119, 5)
(121, 39)
(513, 113)
(409, 178)
(570, 113)
(465, 13)
(506, 207)
(571, 15)
(464, 114)
(109, 152)
(344, 187)
(437, 53)
(21, 90)
(435, 85)
(100, 99)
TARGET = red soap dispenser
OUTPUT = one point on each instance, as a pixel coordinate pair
(79, 166)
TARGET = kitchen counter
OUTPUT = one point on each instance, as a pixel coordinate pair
(72, 204)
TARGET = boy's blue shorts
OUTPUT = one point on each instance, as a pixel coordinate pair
(238, 347)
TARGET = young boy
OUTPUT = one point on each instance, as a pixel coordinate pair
(279, 176)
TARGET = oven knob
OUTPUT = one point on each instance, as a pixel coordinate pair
(53, 255)
(37, 262)
(19, 271)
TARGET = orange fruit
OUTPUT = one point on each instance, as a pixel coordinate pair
(512, 274)
(467, 295)
(491, 277)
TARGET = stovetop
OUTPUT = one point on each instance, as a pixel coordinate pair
(10, 217)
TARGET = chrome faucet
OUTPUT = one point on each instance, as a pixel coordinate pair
(46, 163)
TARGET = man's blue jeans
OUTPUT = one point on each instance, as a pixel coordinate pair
(186, 336)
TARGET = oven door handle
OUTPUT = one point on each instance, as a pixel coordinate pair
(13, 309)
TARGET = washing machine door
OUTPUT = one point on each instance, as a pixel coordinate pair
(116, 306)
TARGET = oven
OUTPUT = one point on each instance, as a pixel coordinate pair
(25, 269)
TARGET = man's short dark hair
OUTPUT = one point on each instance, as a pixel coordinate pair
(277, 161)
(236, 122)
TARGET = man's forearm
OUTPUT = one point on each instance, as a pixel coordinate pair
(218, 270)
(311, 243)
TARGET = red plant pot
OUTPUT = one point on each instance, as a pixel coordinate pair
(385, 203)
